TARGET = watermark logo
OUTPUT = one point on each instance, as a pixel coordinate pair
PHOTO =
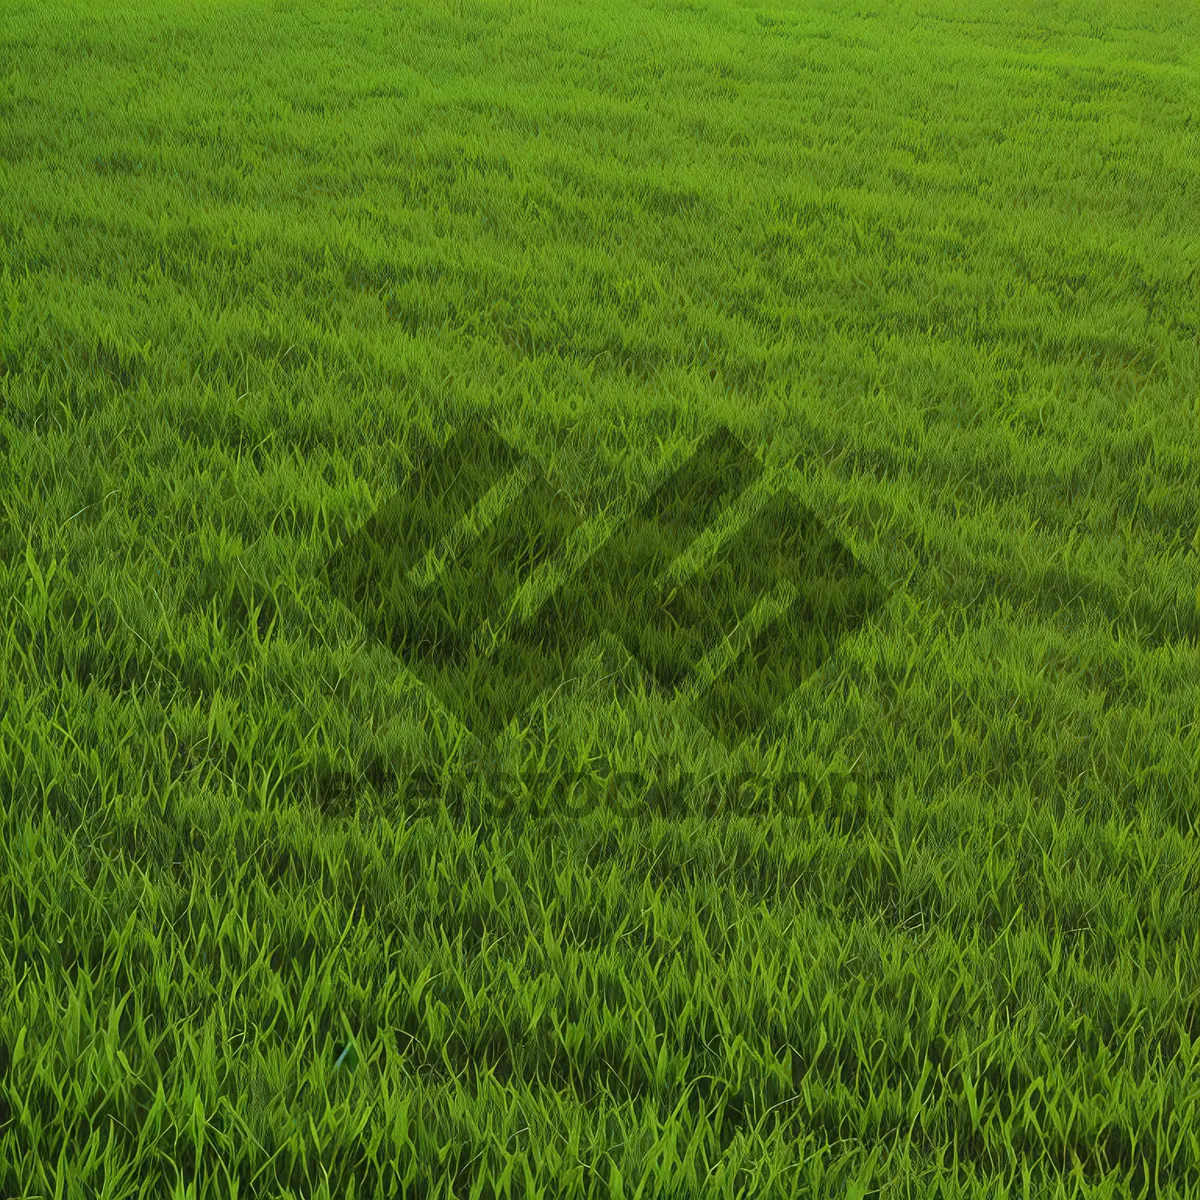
(435, 573)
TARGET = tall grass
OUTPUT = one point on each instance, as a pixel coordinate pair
(935, 265)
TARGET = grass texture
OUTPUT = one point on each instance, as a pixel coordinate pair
(376, 822)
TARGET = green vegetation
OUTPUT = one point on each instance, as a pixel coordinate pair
(928, 928)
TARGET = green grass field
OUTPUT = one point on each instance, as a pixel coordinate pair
(931, 928)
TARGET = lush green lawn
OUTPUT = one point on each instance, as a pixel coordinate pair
(933, 265)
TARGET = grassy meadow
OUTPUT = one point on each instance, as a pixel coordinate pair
(930, 928)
